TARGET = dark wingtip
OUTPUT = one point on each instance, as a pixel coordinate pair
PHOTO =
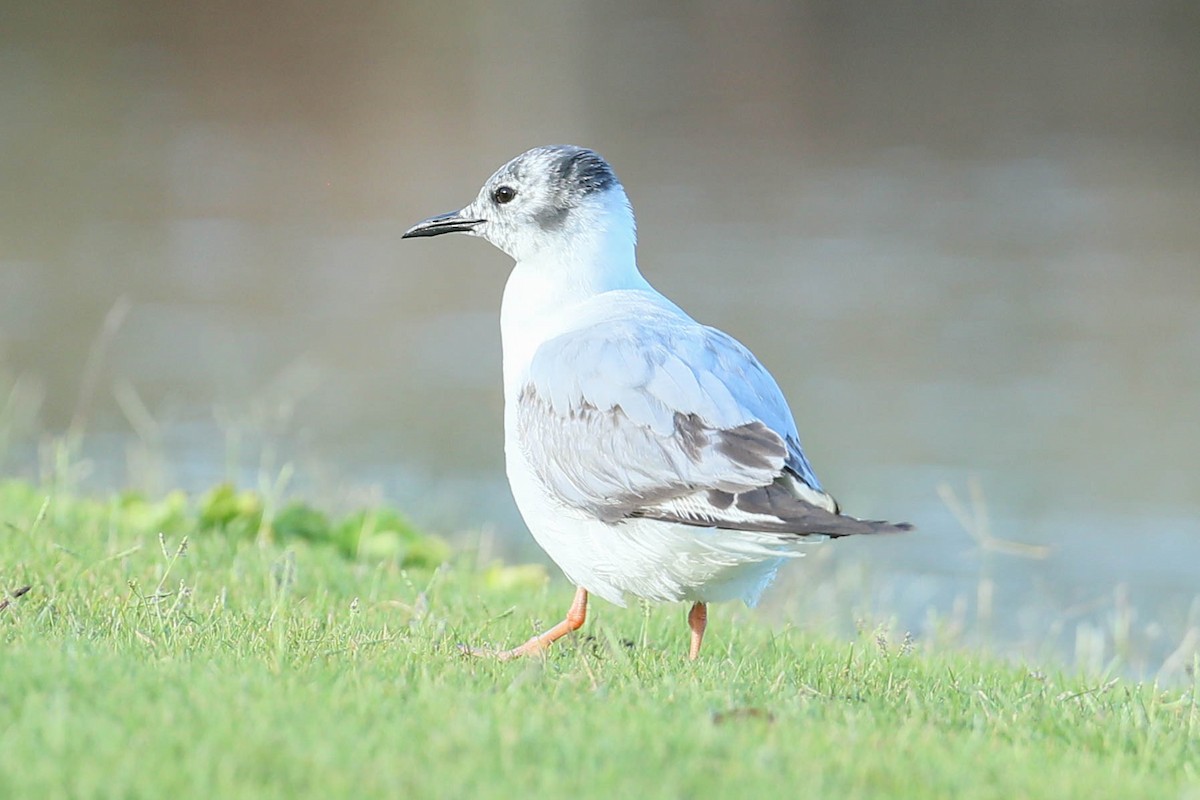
(853, 526)
(881, 526)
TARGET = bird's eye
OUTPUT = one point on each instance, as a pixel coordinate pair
(504, 194)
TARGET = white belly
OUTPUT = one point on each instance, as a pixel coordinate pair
(646, 558)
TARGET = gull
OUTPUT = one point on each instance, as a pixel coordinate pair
(650, 456)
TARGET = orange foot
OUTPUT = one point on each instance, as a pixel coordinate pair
(697, 621)
(540, 643)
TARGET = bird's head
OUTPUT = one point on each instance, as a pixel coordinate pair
(559, 197)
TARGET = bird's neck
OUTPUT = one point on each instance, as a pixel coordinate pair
(546, 286)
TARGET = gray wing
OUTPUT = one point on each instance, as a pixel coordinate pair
(666, 419)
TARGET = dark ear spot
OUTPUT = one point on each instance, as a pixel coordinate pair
(552, 217)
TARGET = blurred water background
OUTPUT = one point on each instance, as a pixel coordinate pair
(964, 237)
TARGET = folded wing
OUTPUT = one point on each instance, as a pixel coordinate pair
(662, 418)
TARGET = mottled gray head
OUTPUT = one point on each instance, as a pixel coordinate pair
(544, 197)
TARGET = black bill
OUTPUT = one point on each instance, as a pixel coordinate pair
(451, 222)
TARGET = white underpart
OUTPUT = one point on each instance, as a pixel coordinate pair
(586, 277)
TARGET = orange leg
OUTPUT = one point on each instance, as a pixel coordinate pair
(575, 617)
(697, 621)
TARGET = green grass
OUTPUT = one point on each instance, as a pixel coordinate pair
(272, 658)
